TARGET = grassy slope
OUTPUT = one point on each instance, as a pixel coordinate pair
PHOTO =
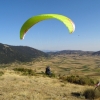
(16, 87)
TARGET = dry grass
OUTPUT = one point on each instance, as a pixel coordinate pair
(13, 86)
(16, 87)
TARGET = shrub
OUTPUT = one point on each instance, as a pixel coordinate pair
(1, 73)
(62, 77)
(52, 75)
(81, 80)
(78, 80)
(91, 94)
(24, 71)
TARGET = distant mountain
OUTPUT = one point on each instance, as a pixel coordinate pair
(47, 51)
(79, 52)
(10, 53)
(96, 53)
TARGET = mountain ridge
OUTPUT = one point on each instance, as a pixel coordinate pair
(9, 53)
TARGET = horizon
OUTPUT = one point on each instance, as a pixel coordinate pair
(52, 34)
(53, 50)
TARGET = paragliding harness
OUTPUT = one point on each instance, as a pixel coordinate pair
(48, 72)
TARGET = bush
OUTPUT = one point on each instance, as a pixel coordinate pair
(24, 71)
(91, 94)
(1, 73)
(79, 80)
(52, 75)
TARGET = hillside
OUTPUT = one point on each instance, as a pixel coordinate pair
(33, 84)
(36, 88)
(10, 53)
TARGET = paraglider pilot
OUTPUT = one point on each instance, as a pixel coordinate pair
(48, 71)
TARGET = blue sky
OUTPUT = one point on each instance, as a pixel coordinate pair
(51, 34)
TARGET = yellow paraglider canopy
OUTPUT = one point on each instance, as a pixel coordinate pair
(35, 19)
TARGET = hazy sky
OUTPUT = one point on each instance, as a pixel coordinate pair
(51, 34)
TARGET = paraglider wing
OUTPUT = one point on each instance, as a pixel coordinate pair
(35, 19)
